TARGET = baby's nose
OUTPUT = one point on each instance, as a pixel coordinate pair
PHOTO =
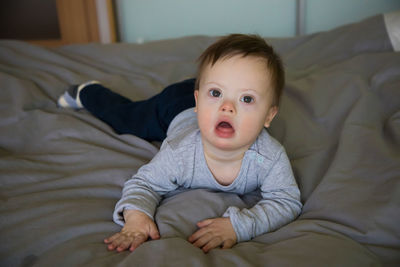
(227, 107)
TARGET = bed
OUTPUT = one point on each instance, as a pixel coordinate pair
(62, 171)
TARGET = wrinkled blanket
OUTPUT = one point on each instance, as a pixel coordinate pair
(62, 171)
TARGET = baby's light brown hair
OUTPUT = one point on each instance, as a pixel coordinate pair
(246, 45)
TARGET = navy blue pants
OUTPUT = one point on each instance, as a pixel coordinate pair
(148, 119)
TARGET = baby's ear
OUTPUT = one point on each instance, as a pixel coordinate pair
(270, 116)
(196, 94)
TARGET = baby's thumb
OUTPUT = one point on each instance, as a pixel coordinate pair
(154, 234)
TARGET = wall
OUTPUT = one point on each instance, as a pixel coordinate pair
(18, 21)
(323, 15)
(140, 20)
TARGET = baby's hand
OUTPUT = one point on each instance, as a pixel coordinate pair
(138, 228)
(214, 233)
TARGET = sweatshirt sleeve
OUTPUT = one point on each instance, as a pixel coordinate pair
(144, 190)
(280, 203)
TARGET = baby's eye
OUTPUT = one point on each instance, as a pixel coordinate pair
(214, 93)
(247, 99)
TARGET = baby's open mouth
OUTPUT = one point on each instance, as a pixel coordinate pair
(224, 129)
(224, 124)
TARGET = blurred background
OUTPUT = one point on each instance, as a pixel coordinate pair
(58, 22)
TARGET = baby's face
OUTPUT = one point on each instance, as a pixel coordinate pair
(233, 102)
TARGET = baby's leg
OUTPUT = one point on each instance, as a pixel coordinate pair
(148, 119)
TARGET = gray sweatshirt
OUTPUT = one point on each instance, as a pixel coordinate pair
(181, 163)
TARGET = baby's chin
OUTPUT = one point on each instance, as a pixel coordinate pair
(226, 141)
(226, 144)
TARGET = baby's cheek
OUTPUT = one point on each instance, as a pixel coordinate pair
(204, 121)
(250, 128)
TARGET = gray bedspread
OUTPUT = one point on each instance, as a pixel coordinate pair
(61, 171)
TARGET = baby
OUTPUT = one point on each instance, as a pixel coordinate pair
(220, 144)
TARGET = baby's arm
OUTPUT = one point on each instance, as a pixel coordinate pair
(279, 206)
(140, 196)
(137, 229)
(214, 233)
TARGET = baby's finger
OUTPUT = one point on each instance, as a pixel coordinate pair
(124, 244)
(196, 235)
(112, 242)
(111, 238)
(154, 234)
(137, 241)
(213, 243)
(203, 240)
(112, 246)
(204, 223)
(115, 243)
(228, 243)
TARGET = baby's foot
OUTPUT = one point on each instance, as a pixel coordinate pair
(70, 98)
